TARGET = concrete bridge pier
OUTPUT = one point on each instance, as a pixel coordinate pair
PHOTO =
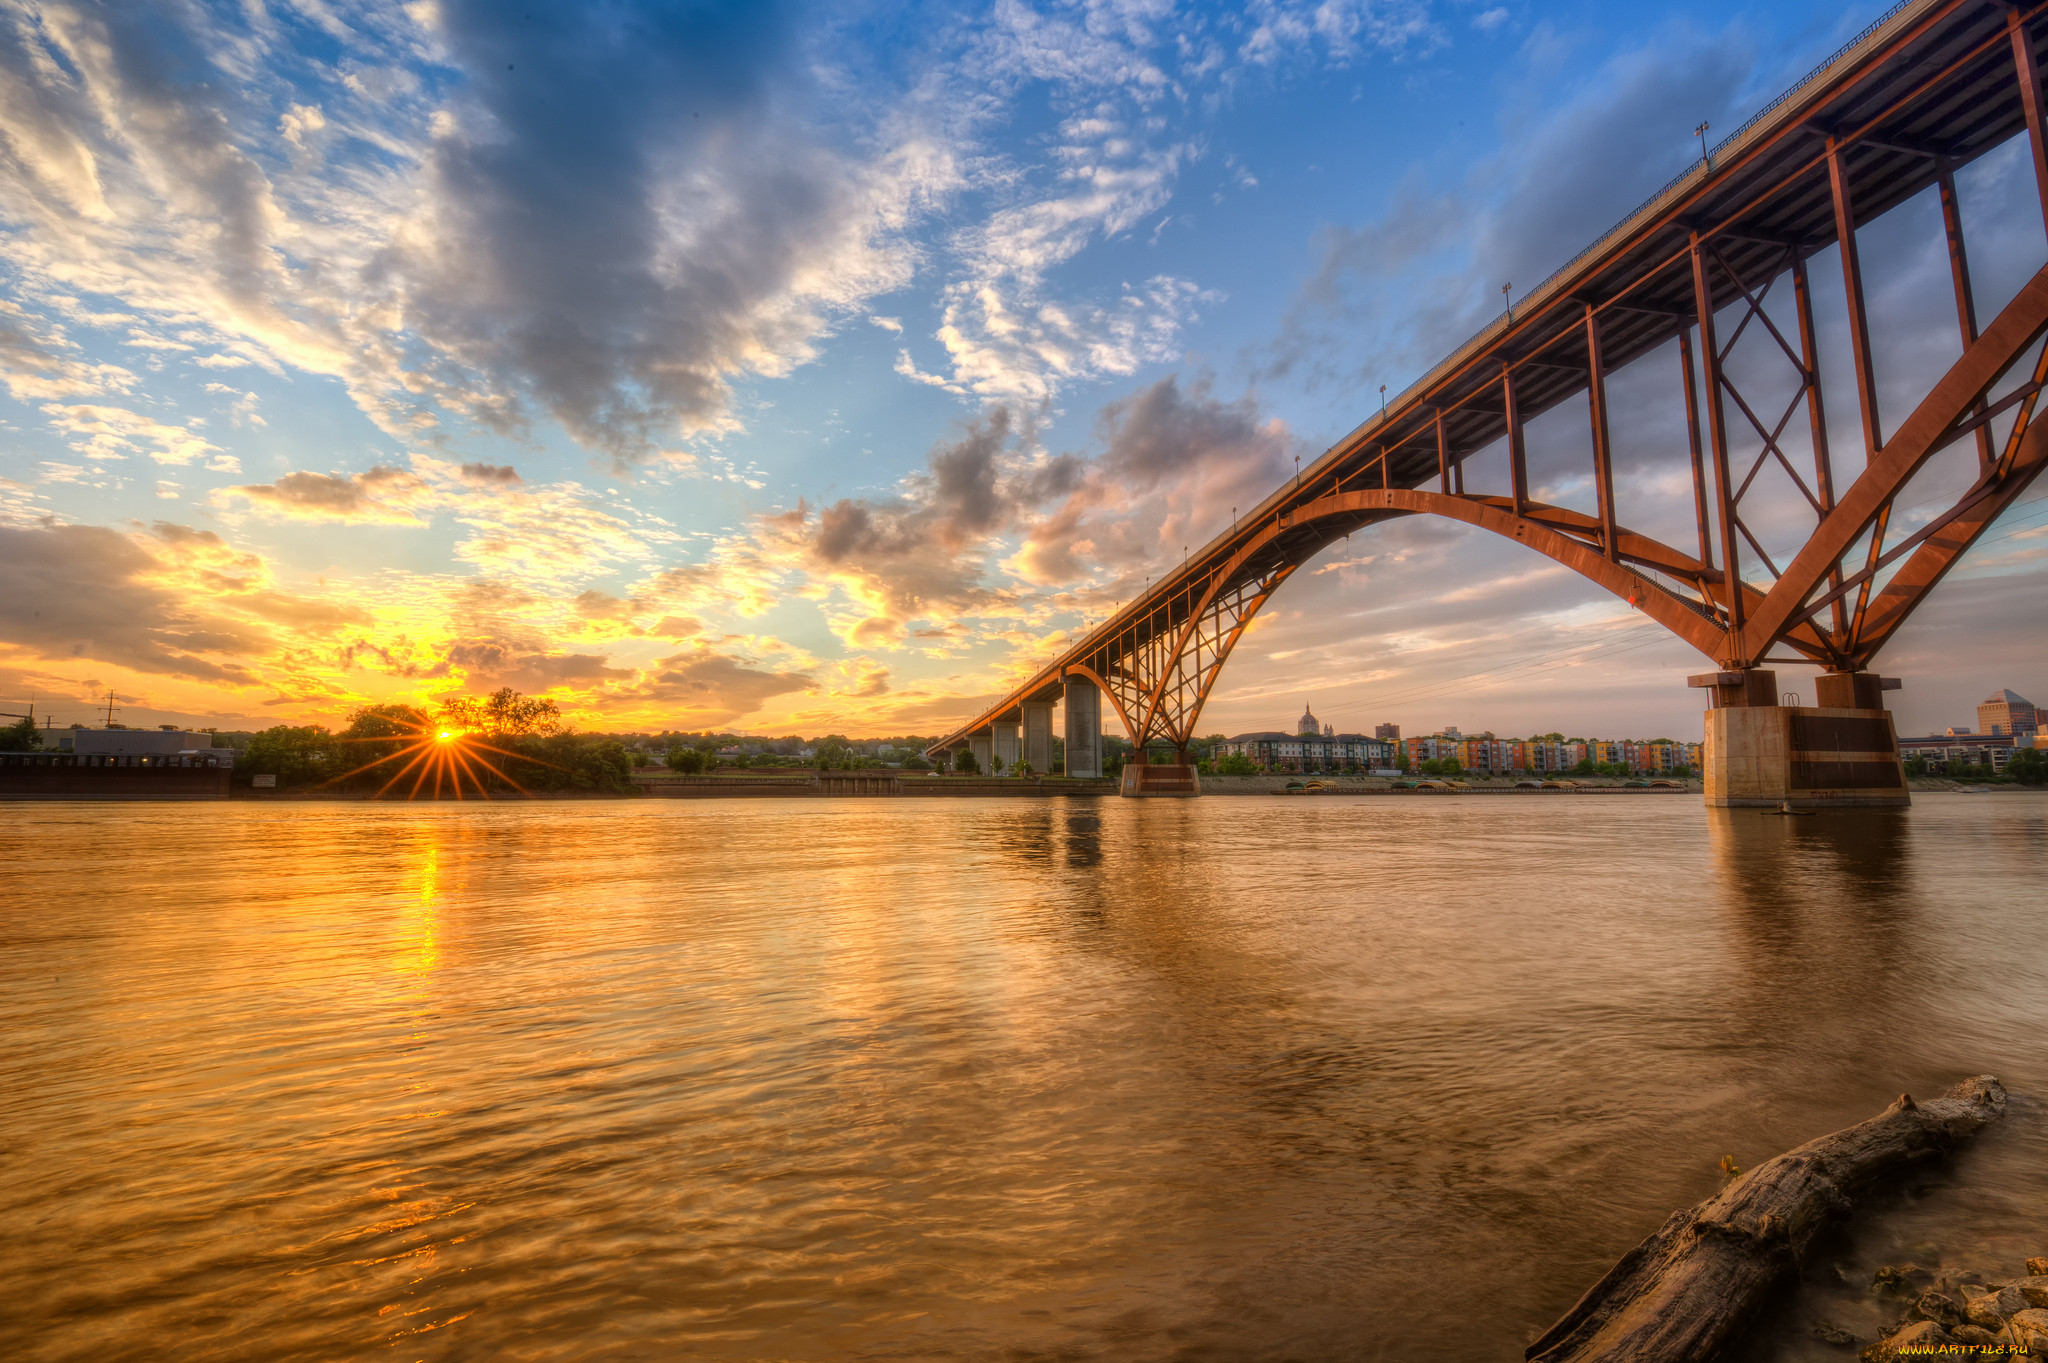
(1841, 753)
(1084, 727)
(1006, 746)
(1145, 779)
(1038, 735)
(979, 745)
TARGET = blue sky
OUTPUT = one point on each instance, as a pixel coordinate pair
(807, 367)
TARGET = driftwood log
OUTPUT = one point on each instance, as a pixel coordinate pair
(1690, 1290)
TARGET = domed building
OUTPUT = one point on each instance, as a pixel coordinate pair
(1313, 746)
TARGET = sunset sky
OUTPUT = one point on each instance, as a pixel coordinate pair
(795, 368)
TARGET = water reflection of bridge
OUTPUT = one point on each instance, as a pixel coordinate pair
(1929, 89)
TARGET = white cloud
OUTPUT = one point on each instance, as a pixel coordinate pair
(116, 432)
(37, 361)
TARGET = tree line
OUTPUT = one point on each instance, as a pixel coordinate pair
(523, 740)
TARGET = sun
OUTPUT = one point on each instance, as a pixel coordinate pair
(448, 758)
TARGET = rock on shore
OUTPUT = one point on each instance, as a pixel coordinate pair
(1964, 1313)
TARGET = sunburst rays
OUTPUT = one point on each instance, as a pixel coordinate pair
(443, 754)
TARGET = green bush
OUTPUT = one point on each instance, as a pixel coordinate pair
(297, 754)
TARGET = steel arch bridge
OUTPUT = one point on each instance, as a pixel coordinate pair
(1929, 88)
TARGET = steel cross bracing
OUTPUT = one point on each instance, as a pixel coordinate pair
(1927, 90)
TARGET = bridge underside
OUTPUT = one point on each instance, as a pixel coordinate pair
(1891, 117)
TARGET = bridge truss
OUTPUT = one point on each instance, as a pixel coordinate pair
(1925, 91)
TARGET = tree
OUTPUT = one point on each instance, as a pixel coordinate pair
(1401, 760)
(963, 760)
(1916, 765)
(599, 764)
(402, 722)
(21, 736)
(504, 712)
(373, 739)
(1023, 767)
(684, 761)
(2029, 765)
(916, 762)
(1236, 764)
(297, 753)
(995, 765)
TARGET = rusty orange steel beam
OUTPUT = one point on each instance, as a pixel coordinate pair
(2010, 334)
(1841, 148)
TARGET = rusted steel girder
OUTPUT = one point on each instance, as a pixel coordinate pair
(1869, 499)
(1929, 89)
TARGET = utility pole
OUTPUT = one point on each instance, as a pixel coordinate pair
(111, 707)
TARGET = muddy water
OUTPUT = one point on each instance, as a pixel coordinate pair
(1224, 1079)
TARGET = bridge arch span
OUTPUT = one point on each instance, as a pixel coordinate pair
(1894, 116)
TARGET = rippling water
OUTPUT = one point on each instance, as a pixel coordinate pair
(800, 1080)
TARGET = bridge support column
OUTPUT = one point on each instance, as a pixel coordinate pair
(1038, 735)
(1004, 735)
(978, 744)
(1842, 753)
(1177, 779)
(1084, 728)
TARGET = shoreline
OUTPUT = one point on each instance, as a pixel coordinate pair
(888, 785)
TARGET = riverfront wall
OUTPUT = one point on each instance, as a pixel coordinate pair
(68, 776)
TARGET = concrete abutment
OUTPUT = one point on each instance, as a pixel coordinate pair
(1841, 753)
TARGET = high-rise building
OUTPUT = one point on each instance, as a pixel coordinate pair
(2004, 712)
(1387, 733)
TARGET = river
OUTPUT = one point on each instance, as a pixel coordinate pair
(1228, 1079)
